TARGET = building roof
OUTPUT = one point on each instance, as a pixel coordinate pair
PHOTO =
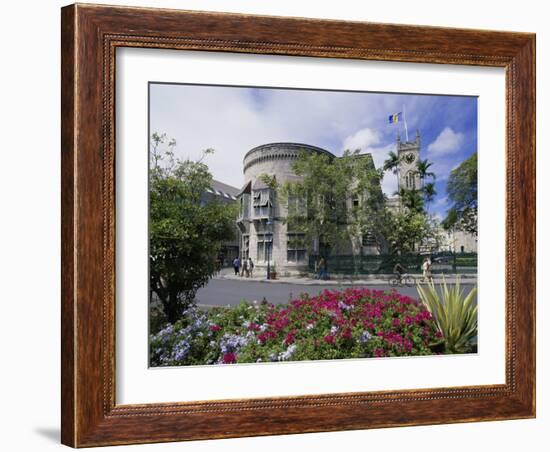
(245, 189)
(226, 191)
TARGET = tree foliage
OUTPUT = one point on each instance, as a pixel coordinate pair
(406, 229)
(462, 191)
(185, 232)
(410, 226)
(339, 199)
(422, 169)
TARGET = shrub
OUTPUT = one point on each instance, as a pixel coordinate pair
(354, 323)
(455, 314)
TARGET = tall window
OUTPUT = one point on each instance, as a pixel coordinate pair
(246, 246)
(262, 253)
(296, 205)
(410, 180)
(245, 205)
(296, 247)
(262, 203)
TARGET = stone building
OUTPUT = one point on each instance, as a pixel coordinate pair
(407, 175)
(457, 241)
(409, 155)
(264, 233)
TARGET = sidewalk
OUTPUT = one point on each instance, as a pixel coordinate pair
(364, 280)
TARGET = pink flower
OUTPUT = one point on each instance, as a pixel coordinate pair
(379, 352)
(229, 358)
(215, 328)
(329, 339)
(396, 323)
(266, 335)
(289, 339)
(347, 334)
(254, 326)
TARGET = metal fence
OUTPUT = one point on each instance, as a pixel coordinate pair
(446, 262)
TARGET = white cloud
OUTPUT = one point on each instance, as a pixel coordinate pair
(368, 141)
(389, 184)
(362, 139)
(234, 120)
(447, 142)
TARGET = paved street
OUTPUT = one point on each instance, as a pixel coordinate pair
(221, 292)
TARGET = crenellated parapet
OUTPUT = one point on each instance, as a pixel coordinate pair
(279, 151)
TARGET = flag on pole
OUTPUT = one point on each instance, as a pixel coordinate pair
(396, 117)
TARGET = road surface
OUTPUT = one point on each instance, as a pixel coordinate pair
(223, 292)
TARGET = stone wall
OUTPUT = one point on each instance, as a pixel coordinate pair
(274, 159)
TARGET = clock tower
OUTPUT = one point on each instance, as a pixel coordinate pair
(409, 154)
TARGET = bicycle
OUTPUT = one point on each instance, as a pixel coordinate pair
(403, 280)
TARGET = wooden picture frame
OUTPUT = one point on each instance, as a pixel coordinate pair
(90, 36)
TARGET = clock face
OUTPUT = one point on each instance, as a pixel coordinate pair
(409, 158)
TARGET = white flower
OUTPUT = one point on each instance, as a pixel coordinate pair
(284, 356)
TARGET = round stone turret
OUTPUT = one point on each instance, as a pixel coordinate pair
(276, 159)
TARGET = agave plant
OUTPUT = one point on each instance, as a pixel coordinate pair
(454, 312)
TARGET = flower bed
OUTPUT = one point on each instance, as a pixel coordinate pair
(354, 323)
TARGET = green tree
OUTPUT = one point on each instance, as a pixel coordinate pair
(462, 191)
(392, 163)
(429, 192)
(410, 226)
(185, 232)
(406, 229)
(411, 200)
(340, 199)
(422, 169)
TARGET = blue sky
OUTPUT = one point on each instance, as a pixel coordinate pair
(232, 120)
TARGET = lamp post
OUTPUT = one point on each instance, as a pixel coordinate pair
(269, 229)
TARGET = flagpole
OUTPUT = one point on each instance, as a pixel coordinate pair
(405, 121)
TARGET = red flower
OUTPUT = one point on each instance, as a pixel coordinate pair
(289, 339)
(254, 326)
(215, 328)
(347, 334)
(329, 339)
(379, 352)
(229, 358)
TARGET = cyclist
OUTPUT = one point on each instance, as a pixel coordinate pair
(398, 271)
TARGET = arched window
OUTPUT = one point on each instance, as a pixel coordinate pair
(410, 180)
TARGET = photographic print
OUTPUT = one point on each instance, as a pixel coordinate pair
(296, 225)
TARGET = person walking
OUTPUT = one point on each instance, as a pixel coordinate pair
(250, 267)
(244, 268)
(429, 269)
(322, 269)
(236, 265)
